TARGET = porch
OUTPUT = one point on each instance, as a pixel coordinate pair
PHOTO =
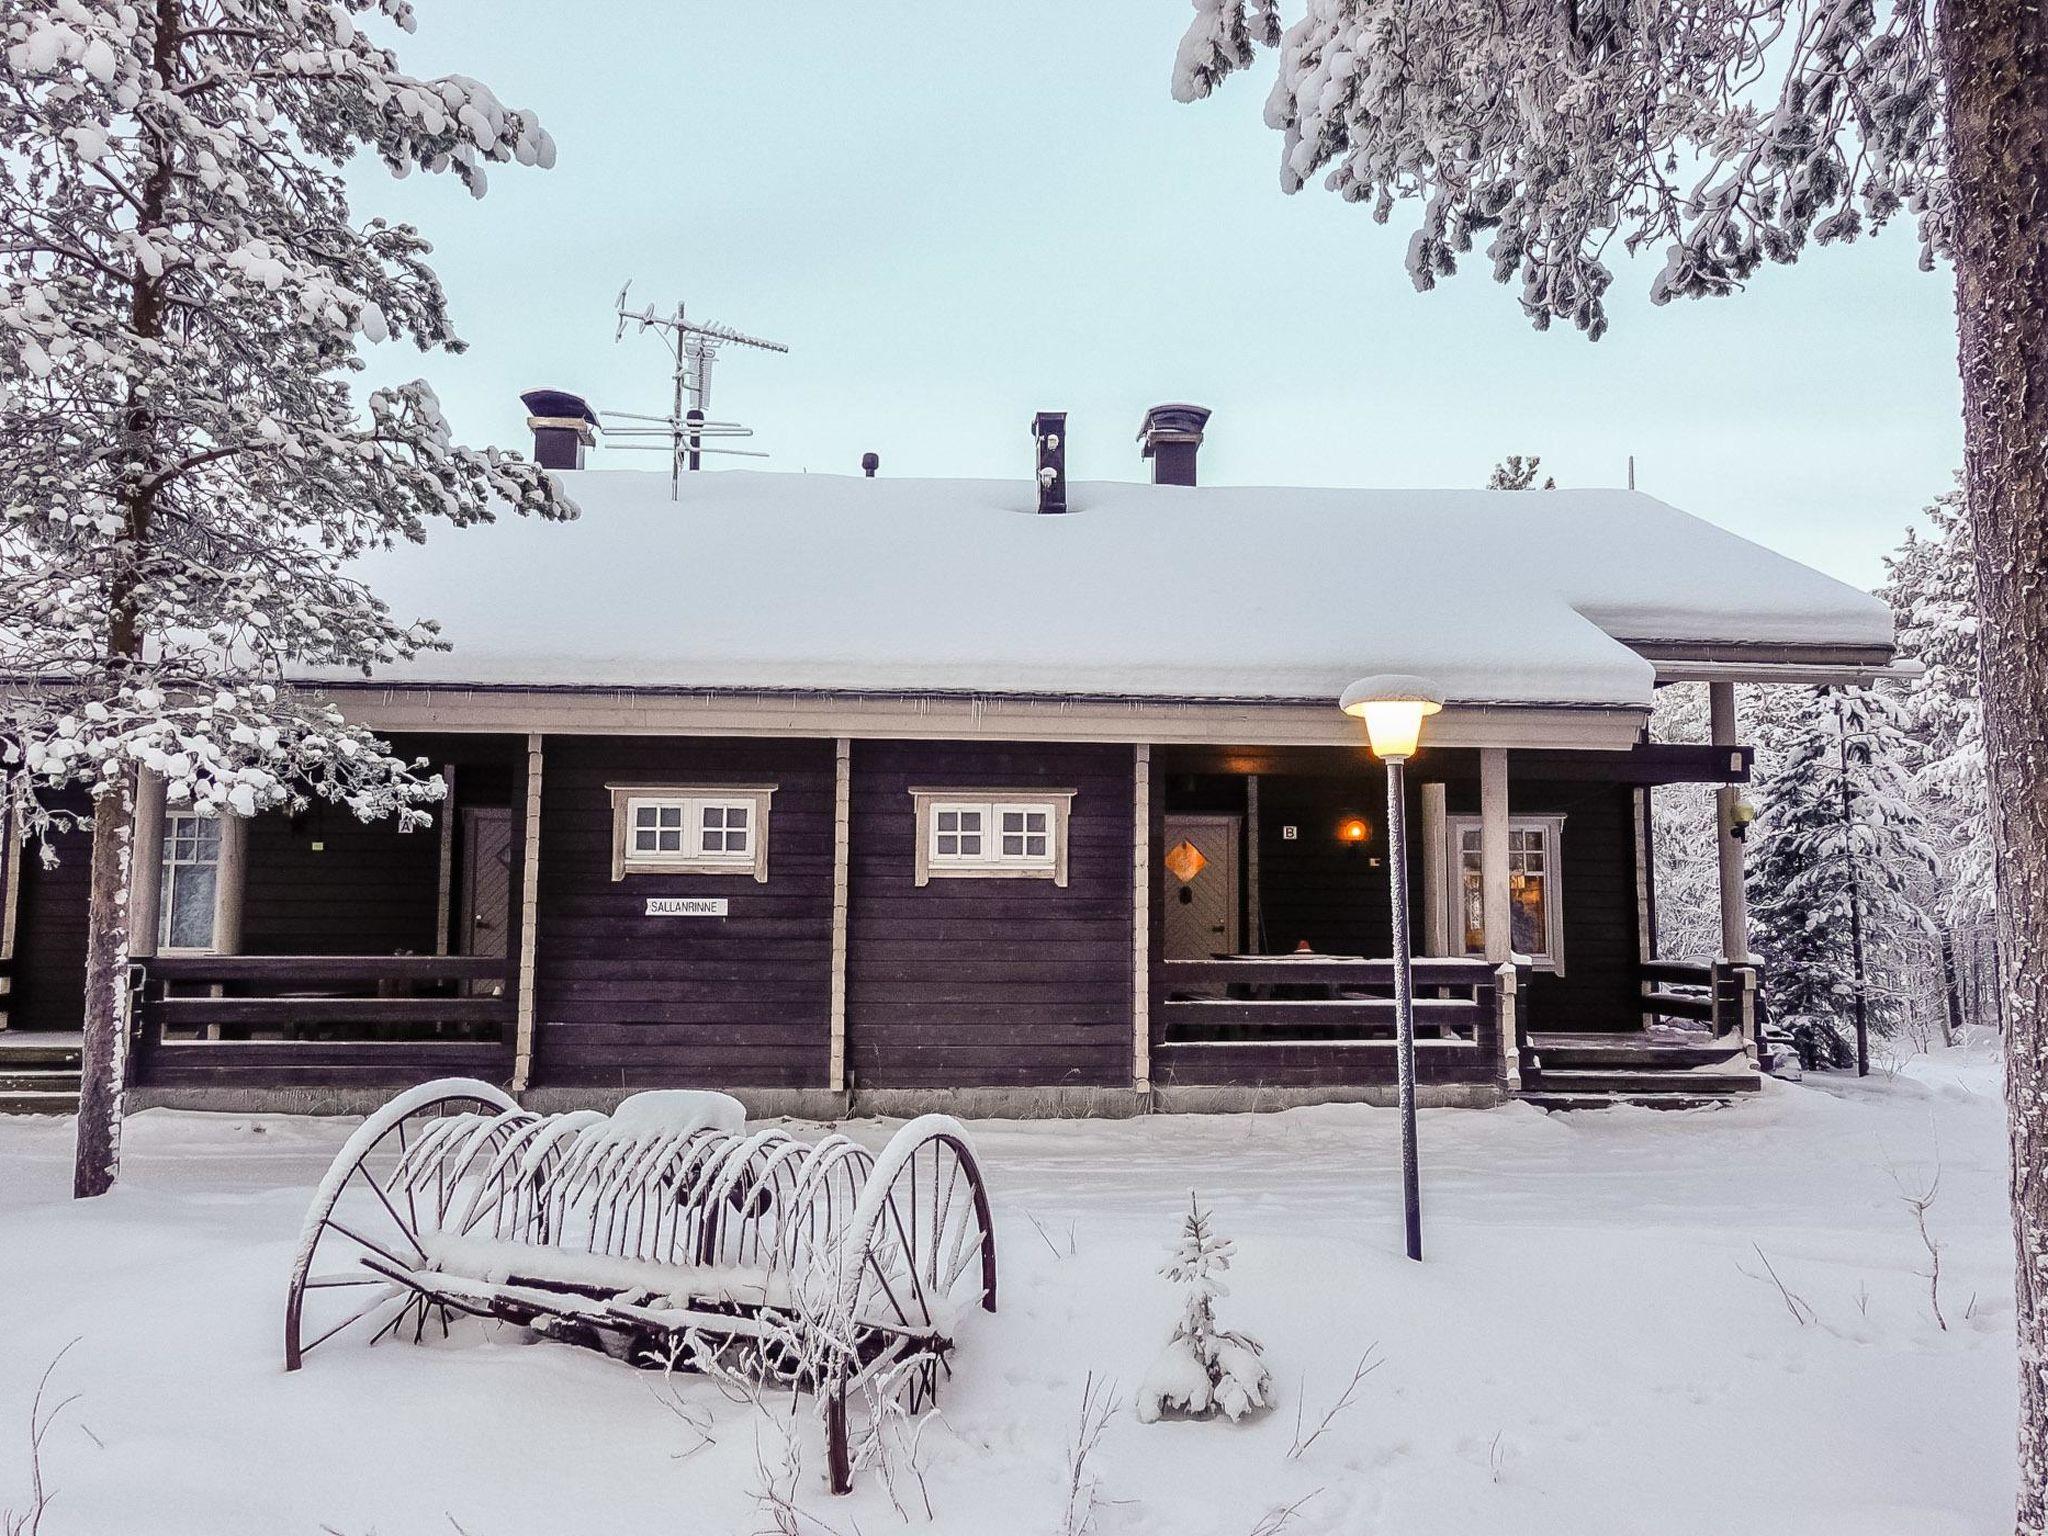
(1532, 899)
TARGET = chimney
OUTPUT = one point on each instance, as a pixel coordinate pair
(563, 426)
(869, 463)
(1049, 428)
(1172, 435)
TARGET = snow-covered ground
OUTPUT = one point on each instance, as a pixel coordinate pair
(1593, 1345)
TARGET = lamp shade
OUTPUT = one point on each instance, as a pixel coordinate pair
(1393, 706)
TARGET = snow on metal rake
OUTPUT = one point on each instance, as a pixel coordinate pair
(663, 1234)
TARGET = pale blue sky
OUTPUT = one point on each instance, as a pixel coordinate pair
(957, 215)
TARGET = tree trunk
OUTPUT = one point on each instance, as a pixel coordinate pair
(104, 1069)
(1995, 60)
(104, 1064)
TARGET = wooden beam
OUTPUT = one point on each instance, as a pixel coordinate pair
(146, 866)
(444, 891)
(1254, 909)
(1493, 853)
(1141, 917)
(310, 970)
(1734, 899)
(231, 881)
(529, 917)
(12, 847)
(842, 821)
(1436, 882)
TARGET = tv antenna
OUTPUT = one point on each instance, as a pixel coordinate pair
(685, 431)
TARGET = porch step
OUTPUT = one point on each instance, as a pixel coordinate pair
(1636, 1083)
(1553, 1057)
(1568, 1101)
(33, 1102)
(14, 1081)
(18, 1057)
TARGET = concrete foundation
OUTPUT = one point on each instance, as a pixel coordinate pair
(1058, 1103)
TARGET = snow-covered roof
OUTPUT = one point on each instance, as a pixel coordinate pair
(822, 582)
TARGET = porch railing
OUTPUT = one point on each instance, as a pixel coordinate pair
(1721, 994)
(1332, 1019)
(320, 1018)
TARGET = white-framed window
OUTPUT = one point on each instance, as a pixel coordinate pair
(1535, 888)
(1019, 833)
(188, 901)
(662, 829)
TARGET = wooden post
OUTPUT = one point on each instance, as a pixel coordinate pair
(1436, 927)
(842, 820)
(146, 883)
(230, 879)
(1141, 919)
(12, 846)
(1493, 853)
(529, 918)
(1254, 917)
(444, 898)
(1507, 981)
(1734, 900)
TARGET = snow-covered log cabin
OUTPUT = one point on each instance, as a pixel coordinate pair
(1007, 796)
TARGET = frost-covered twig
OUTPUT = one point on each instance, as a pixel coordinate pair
(1918, 1202)
(1275, 1520)
(40, 1420)
(1365, 1367)
(1802, 1313)
(1098, 1407)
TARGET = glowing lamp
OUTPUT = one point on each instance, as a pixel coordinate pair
(1393, 707)
(1184, 861)
(1354, 829)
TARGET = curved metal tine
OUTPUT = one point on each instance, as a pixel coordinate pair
(457, 1164)
(496, 1180)
(425, 1147)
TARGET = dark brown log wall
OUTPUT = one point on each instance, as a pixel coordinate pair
(49, 934)
(624, 999)
(989, 983)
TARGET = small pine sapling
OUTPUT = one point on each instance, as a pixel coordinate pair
(1204, 1370)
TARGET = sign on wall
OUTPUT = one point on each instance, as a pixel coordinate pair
(686, 906)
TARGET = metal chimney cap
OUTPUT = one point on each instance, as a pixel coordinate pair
(558, 404)
(869, 463)
(1173, 422)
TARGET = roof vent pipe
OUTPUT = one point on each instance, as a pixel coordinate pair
(1172, 436)
(869, 463)
(1049, 429)
(563, 426)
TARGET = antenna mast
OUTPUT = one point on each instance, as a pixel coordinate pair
(683, 432)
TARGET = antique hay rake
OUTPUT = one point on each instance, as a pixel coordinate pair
(663, 1234)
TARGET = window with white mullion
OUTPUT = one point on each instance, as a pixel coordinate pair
(724, 830)
(1535, 887)
(189, 903)
(710, 830)
(960, 832)
(1024, 834)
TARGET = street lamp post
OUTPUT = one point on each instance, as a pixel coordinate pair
(1393, 707)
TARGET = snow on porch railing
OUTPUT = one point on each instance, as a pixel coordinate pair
(300, 1014)
(1348, 1001)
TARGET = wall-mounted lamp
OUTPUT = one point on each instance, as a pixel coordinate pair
(1184, 861)
(1354, 829)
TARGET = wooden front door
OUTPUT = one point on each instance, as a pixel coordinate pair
(486, 892)
(1204, 913)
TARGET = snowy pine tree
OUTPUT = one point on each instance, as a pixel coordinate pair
(185, 474)
(1515, 473)
(1204, 1369)
(1931, 584)
(1838, 848)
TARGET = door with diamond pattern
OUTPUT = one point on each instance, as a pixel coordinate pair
(1204, 915)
